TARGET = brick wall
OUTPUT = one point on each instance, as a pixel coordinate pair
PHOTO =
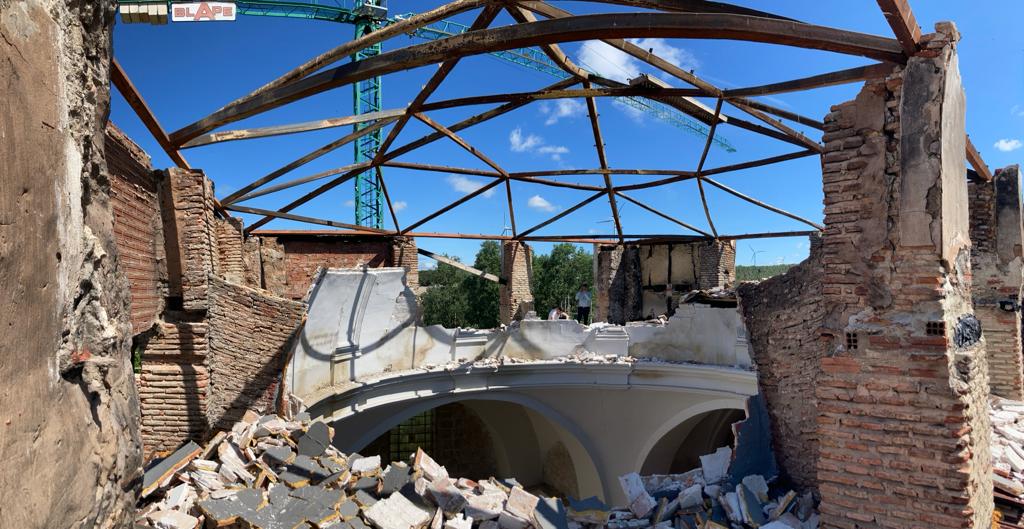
(996, 266)
(290, 261)
(403, 253)
(137, 227)
(250, 332)
(515, 297)
(902, 411)
(716, 264)
(230, 262)
(617, 283)
(187, 209)
(173, 385)
(783, 316)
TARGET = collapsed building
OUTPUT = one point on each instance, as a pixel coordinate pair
(861, 377)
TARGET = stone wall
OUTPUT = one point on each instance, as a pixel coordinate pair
(997, 268)
(138, 231)
(250, 334)
(515, 297)
(173, 385)
(902, 392)
(70, 446)
(783, 316)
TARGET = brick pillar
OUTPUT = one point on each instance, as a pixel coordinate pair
(617, 284)
(515, 297)
(403, 253)
(996, 266)
(189, 235)
(717, 264)
(903, 384)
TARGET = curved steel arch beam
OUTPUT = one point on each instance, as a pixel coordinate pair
(584, 27)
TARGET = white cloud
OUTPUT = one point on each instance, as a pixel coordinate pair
(467, 185)
(520, 144)
(1007, 145)
(562, 108)
(1017, 110)
(534, 144)
(612, 63)
(638, 116)
(540, 203)
(400, 205)
(350, 203)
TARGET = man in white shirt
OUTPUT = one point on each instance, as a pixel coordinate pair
(583, 305)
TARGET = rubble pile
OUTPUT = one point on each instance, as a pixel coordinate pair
(269, 472)
(708, 498)
(1007, 444)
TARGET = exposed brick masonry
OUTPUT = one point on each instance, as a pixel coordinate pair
(515, 297)
(996, 266)
(138, 230)
(783, 316)
(290, 261)
(191, 244)
(903, 423)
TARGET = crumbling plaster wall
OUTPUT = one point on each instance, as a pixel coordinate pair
(903, 387)
(783, 317)
(69, 442)
(617, 279)
(997, 274)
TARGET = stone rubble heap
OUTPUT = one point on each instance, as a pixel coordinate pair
(1007, 445)
(273, 473)
(705, 498)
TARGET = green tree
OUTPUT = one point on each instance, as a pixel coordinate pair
(558, 275)
(444, 302)
(481, 294)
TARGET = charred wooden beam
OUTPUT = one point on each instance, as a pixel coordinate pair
(662, 214)
(782, 127)
(294, 128)
(303, 160)
(308, 220)
(618, 91)
(974, 158)
(344, 177)
(700, 167)
(851, 75)
(464, 267)
(304, 180)
(387, 197)
(490, 174)
(595, 127)
(599, 26)
(904, 25)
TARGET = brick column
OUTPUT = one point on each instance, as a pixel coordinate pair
(903, 384)
(996, 266)
(403, 253)
(515, 297)
(617, 284)
(189, 234)
(717, 264)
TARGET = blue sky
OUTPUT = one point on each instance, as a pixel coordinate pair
(187, 70)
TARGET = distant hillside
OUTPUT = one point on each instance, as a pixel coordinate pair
(754, 273)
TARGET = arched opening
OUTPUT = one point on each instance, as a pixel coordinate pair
(481, 438)
(680, 449)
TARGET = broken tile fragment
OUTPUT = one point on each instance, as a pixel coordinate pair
(165, 468)
(396, 512)
(365, 465)
(314, 442)
(640, 502)
(590, 510)
(173, 520)
(716, 466)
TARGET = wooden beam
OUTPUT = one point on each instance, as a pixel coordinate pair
(490, 174)
(480, 156)
(304, 180)
(309, 220)
(345, 177)
(280, 130)
(451, 206)
(584, 239)
(687, 175)
(304, 159)
(757, 202)
(700, 167)
(387, 197)
(595, 127)
(785, 114)
(782, 127)
(131, 94)
(901, 19)
(401, 27)
(583, 27)
(974, 158)
(851, 75)
(661, 214)
(616, 91)
(562, 214)
(464, 267)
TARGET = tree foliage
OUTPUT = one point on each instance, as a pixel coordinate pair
(454, 298)
(557, 277)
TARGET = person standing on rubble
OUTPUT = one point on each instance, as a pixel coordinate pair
(583, 305)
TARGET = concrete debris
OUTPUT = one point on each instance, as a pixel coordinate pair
(702, 498)
(1007, 419)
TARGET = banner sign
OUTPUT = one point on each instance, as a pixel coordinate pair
(203, 11)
